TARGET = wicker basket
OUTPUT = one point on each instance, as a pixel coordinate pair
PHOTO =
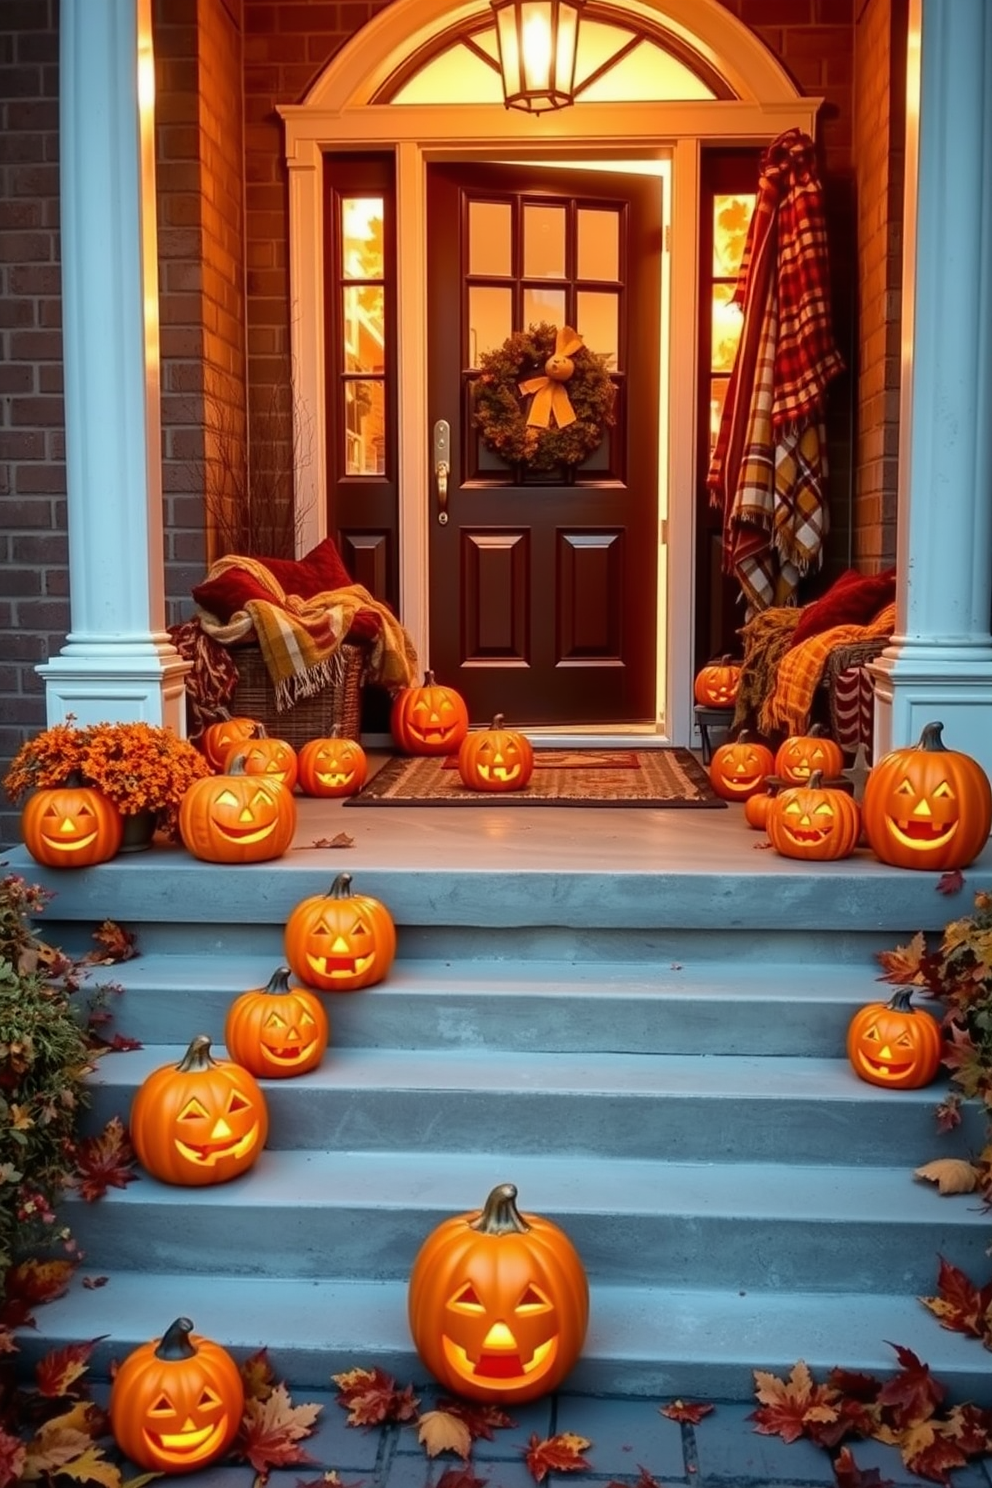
(334, 712)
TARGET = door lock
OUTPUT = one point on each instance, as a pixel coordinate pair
(442, 467)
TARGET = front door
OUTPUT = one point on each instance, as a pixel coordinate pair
(543, 583)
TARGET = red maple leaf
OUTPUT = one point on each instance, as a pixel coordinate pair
(272, 1429)
(951, 882)
(105, 1161)
(13, 1453)
(964, 1308)
(371, 1396)
(91, 1283)
(33, 1281)
(480, 1419)
(460, 1477)
(561, 1453)
(116, 944)
(935, 1459)
(685, 1410)
(913, 1395)
(60, 1369)
(849, 1474)
(258, 1376)
(790, 1407)
(120, 1043)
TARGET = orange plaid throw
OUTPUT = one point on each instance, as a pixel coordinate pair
(801, 670)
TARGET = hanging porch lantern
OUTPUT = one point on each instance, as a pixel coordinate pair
(538, 41)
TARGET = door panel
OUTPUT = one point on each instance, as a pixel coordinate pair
(543, 584)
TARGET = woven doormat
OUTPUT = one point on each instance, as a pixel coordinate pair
(562, 777)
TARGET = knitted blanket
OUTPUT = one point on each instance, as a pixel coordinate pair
(766, 639)
(300, 639)
(801, 669)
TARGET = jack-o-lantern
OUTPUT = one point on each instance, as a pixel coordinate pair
(263, 755)
(430, 719)
(202, 1121)
(716, 683)
(176, 1403)
(894, 1044)
(496, 758)
(218, 739)
(756, 807)
(277, 1030)
(332, 767)
(738, 768)
(498, 1302)
(813, 821)
(340, 941)
(927, 806)
(71, 826)
(237, 818)
(798, 756)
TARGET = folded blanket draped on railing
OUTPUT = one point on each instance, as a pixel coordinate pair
(300, 639)
(801, 669)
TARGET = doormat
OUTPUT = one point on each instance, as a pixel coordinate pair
(562, 777)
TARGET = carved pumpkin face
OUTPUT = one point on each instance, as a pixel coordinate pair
(176, 1403)
(237, 818)
(71, 827)
(203, 1121)
(799, 756)
(895, 1044)
(277, 1031)
(495, 759)
(498, 1302)
(929, 807)
(430, 719)
(340, 941)
(273, 758)
(716, 684)
(814, 822)
(218, 739)
(332, 767)
(738, 769)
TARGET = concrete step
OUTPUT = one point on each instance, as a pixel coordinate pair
(693, 1107)
(358, 1215)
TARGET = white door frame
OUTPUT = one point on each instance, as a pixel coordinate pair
(337, 116)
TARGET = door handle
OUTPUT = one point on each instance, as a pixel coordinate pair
(442, 467)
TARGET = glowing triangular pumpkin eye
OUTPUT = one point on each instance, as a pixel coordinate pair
(824, 809)
(905, 1041)
(906, 788)
(162, 1407)
(872, 1034)
(305, 1020)
(227, 798)
(468, 1298)
(238, 1102)
(531, 1300)
(943, 792)
(275, 1021)
(193, 1111)
(84, 810)
(793, 808)
(261, 798)
(358, 928)
(208, 1398)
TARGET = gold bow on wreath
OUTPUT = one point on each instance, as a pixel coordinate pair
(550, 400)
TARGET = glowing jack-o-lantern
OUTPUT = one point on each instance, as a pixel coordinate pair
(813, 821)
(332, 767)
(275, 759)
(237, 818)
(799, 755)
(202, 1121)
(928, 806)
(895, 1044)
(218, 739)
(496, 758)
(738, 768)
(430, 719)
(176, 1403)
(340, 941)
(716, 684)
(498, 1302)
(71, 826)
(277, 1030)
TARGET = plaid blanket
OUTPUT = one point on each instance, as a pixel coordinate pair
(801, 669)
(300, 639)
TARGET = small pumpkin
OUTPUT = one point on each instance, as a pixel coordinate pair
(927, 806)
(71, 826)
(798, 756)
(218, 739)
(340, 941)
(498, 1302)
(176, 1403)
(496, 758)
(895, 1044)
(332, 767)
(236, 817)
(716, 683)
(200, 1121)
(264, 755)
(277, 1030)
(756, 808)
(429, 719)
(738, 768)
(817, 822)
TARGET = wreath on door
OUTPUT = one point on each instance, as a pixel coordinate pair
(543, 399)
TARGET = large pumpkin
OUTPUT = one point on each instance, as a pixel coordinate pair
(927, 806)
(813, 821)
(340, 941)
(894, 1044)
(738, 768)
(496, 758)
(201, 1121)
(218, 739)
(716, 683)
(798, 756)
(332, 767)
(237, 818)
(263, 755)
(430, 719)
(277, 1030)
(498, 1302)
(176, 1403)
(71, 826)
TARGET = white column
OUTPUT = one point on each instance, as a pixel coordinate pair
(939, 665)
(118, 662)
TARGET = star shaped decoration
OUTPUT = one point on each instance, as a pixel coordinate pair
(857, 773)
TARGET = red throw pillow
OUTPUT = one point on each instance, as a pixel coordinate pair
(320, 569)
(854, 599)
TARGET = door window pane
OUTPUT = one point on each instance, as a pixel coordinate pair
(365, 427)
(364, 328)
(490, 320)
(544, 242)
(598, 244)
(542, 303)
(490, 238)
(718, 396)
(727, 323)
(731, 217)
(599, 323)
(361, 237)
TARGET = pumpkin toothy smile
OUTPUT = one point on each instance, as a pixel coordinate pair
(213, 1154)
(340, 966)
(68, 847)
(247, 834)
(500, 1366)
(182, 1443)
(922, 834)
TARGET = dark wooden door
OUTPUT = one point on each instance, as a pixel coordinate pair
(543, 586)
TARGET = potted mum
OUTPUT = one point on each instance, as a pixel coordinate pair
(143, 769)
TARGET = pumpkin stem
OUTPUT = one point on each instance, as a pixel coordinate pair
(237, 765)
(902, 1000)
(428, 679)
(341, 887)
(931, 741)
(815, 781)
(174, 1343)
(197, 1058)
(279, 980)
(497, 722)
(501, 1215)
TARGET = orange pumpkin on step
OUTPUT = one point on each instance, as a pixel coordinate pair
(716, 683)
(277, 1030)
(331, 768)
(340, 941)
(264, 755)
(237, 818)
(71, 826)
(496, 758)
(218, 738)
(798, 756)
(430, 719)
(738, 768)
(927, 806)
(814, 821)
(894, 1044)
